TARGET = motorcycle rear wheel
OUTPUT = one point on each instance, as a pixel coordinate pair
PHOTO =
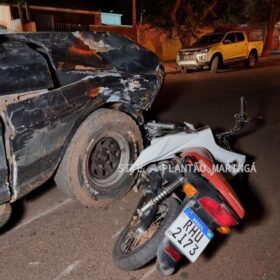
(130, 252)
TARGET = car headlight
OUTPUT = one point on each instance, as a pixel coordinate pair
(203, 51)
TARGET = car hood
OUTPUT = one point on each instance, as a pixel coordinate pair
(195, 48)
(97, 49)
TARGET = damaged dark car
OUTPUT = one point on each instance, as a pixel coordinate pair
(70, 107)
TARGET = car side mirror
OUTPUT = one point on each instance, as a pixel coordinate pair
(226, 42)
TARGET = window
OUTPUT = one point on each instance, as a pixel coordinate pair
(240, 37)
(210, 39)
(230, 38)
(22, 69)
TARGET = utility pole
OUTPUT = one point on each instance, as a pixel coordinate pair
(20, 12)
(134, 13)
(27, 11)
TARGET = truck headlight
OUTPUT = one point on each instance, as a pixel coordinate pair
(202, 57)
(203, 51)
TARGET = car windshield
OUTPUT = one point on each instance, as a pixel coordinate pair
(209, 39)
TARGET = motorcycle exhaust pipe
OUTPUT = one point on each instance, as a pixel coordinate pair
(170, 188)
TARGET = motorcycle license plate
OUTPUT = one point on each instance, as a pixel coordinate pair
(189, 234)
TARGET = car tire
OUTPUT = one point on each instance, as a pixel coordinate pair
(215, 64)
(252, 60)
(90, 169)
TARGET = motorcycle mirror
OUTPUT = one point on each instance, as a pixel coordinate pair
(242, 105)
(241, 117)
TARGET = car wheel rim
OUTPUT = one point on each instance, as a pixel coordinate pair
(104, 158)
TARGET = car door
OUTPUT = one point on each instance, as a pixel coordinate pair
(4, 186)
(229, 47)
(241, 46)
(38, 116)
(39, 128)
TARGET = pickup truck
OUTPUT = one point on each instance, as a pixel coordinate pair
(214, 50)
(70, 107)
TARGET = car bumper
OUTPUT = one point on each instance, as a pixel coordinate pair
(193, 64)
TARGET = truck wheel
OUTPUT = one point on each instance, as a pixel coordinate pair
(93, 167)
(215, 64)
(252, 60)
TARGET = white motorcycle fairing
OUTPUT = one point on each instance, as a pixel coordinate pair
(168, 146)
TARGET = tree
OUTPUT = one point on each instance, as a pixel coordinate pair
(231, 12)
(186, 16)
(265, 12)
(273, 15)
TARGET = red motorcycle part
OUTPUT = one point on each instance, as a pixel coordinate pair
(205, 163)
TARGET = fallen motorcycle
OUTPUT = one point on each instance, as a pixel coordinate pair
(184, 199)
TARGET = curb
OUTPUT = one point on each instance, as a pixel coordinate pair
(272, 58)
(171, 68)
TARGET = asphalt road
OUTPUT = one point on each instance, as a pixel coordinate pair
(53, 237)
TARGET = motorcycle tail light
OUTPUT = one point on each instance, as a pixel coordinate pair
(172, 252)
(222, 217)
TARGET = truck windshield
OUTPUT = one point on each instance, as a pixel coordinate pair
(209, 39)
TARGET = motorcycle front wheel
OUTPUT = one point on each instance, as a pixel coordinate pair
(136, 247)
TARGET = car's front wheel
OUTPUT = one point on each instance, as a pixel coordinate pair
(95, 164)
(215, 64)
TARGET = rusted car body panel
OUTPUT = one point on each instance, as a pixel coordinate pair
(4, 187)
(49, 83)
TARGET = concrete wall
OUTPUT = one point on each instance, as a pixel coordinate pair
(128, 31)
(165, 44)
(5, 17)
(29, 27)
(276, 38)
(14, 25)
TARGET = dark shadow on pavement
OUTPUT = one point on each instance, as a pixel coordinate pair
(254, 207)
(18, 207)
(18, 210)
(166, 98)
(240, 66)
